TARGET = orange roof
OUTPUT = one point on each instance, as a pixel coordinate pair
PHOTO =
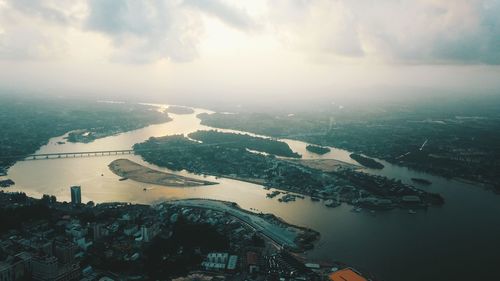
(252, 258)
(346, 275)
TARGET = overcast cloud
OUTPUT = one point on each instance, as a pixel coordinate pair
(425, 31)
(242, 47)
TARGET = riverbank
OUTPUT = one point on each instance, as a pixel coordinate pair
(25, 130)
(292, 237)
(131, 170)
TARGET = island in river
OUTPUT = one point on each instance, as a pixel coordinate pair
(367, 162)
(129, 169)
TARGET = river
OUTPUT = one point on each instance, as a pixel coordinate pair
(458, 241)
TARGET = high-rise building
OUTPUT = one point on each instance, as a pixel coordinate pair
(149, 232)
(45, 268)
(97, 230)
(16, 267)
(65, 251)
(76, 195)
(48, 268)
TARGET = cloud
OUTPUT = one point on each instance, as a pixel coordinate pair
(31, 30)
(325, 27)
(232, 16)
(146, 31)
(423, 31)
(49, 10)
(458, 31)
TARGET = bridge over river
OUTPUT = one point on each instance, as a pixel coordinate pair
(77, 154)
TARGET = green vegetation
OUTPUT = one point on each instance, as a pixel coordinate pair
(462, 135)
(6, 183)
(367, 162)
(28, 123)
(269, 146)
(317, 149)
(180, 153)
(13, 218)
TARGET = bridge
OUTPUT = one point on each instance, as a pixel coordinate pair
(61, 155)
(57, 155)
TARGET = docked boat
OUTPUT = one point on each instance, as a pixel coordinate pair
(331, 203)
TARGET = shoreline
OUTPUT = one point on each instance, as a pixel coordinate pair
(304, 238)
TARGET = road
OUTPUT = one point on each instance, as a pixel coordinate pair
(282, 234)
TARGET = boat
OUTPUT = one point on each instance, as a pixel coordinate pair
(412, 212)
(331, 203)
(123, 179)
(272, 194)
(287, 198)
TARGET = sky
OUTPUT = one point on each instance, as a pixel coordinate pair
(244, 50)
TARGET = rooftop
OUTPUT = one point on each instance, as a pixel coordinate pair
(346, 275)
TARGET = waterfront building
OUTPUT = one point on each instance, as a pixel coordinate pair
(76, 195)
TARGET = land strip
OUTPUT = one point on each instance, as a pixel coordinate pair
(134, 171)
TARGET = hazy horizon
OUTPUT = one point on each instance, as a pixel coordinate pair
(238, 51)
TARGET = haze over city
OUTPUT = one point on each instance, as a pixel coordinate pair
(255, 140)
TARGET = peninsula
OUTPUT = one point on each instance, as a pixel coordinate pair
(293, 238)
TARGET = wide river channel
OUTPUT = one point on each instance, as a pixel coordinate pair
(458, 241)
